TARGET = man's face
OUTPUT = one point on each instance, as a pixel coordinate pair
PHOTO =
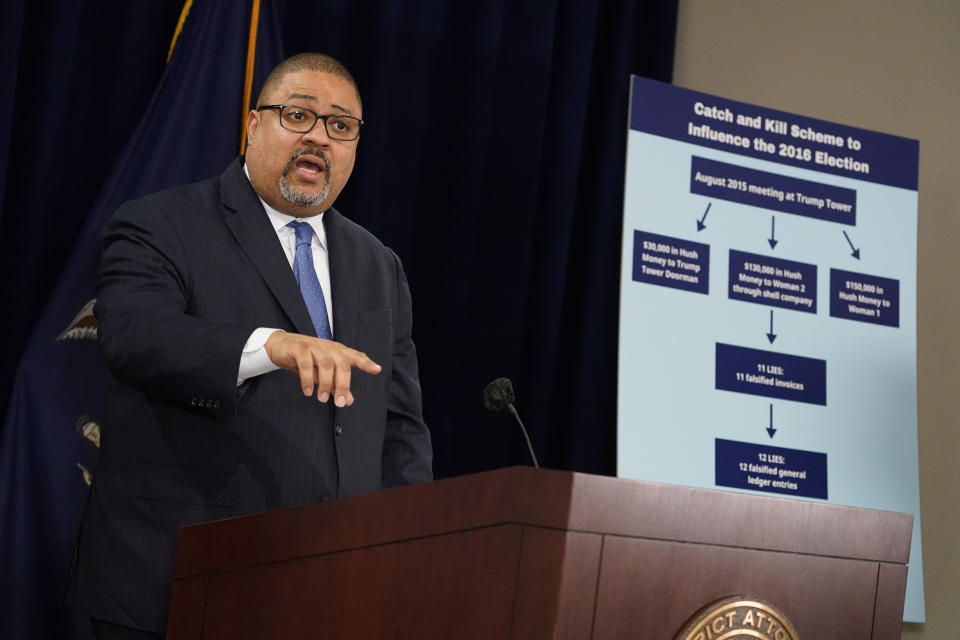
(301, 174)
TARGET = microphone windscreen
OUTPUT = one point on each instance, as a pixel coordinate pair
(498, 394)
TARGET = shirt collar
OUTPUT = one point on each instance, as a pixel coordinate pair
(280, 220)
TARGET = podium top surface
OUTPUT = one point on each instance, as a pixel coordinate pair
(550, 499)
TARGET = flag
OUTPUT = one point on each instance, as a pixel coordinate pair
(190, 131)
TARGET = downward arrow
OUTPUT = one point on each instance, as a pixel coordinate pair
(770, 429)
(700, 225)
(773, 243)
(771, 336)
(856, 252)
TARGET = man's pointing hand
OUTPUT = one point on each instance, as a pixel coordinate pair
(320, 363)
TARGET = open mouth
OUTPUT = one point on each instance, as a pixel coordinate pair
(311, 184)
(308, 168)
(307, 165)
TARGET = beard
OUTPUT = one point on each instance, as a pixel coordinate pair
(299, 198)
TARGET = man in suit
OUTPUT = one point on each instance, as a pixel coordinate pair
(259, 345)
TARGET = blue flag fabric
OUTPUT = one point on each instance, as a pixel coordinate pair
(190, 131)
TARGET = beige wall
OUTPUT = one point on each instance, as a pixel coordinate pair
(892, 66)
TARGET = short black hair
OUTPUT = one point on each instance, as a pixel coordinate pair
(306, 62)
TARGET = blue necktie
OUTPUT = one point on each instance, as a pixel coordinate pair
(307, 279)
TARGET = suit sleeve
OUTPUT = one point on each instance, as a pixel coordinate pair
(407, 450)
(149, 340)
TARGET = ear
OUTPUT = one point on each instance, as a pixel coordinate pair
(253, 121)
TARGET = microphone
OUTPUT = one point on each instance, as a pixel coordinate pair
(499, 394)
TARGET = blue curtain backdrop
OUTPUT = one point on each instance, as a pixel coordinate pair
(185, 127)
(492, 163)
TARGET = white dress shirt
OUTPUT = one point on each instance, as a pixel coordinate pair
(254, 360)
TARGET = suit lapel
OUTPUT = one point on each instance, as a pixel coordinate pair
(251, 227)
(342, 252)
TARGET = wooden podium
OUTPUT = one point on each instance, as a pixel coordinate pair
(522, 553)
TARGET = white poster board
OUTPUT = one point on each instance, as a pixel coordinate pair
(768, 306)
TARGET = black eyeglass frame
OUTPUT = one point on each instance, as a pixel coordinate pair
(317, 118)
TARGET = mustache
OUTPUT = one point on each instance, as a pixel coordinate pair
(312, 151)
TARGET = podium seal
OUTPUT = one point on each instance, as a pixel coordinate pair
(738, 618)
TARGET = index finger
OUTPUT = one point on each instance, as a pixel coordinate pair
(364, 363)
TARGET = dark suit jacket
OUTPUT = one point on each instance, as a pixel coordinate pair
(186, 275)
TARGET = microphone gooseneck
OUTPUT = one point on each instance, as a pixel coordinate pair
(499, 395)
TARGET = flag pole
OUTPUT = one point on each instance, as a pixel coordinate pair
(248, 78)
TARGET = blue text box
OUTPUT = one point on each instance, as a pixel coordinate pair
(771, 374)
(671, 262)
(864, 298)
(772, 281)
(674, 112)
(743, 465)
(772, 191)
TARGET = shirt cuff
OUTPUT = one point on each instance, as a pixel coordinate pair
(254, 360)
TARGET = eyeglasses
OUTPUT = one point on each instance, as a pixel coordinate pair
(298, 120)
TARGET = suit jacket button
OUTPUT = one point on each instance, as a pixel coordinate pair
(338, 429)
